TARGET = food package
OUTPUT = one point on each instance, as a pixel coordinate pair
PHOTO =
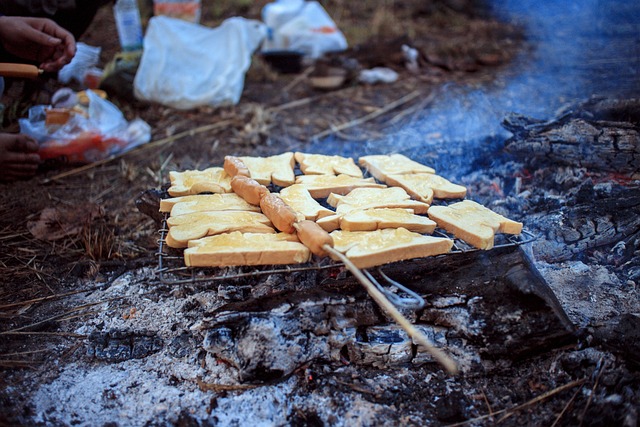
(80, 134)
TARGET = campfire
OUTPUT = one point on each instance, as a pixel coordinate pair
(107, 323)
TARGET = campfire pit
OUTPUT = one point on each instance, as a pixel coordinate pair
(545, 331)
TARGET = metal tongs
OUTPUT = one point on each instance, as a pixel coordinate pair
(410, 300)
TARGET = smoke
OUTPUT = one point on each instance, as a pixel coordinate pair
(579, 49)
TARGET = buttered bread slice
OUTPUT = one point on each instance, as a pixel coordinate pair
(211, 180)
(377, 219)
(426, 186)
(473, 223)
(320, 164)
(237, 248)
(299, 199)
(275, 169)
(370, 248)
(321, 186)
(383, 165)
(369, 198)
(206, 202)
(195, 225)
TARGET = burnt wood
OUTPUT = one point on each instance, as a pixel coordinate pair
(602, 135)
(487, 304)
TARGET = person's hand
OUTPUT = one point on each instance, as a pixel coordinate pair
(37, 39)
(18, 157)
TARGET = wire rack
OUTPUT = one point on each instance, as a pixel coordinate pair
(172, 271)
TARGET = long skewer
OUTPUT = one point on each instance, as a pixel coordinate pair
(388, 307)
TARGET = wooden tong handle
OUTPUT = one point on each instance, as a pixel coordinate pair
(19, 70)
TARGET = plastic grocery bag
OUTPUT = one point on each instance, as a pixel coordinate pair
(186, 65)
(303, 26)
(89, 135)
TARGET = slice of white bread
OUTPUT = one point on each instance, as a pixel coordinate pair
(321, 186)
(368, 198)
(299, 199)
(246, 249)
(370, 248)
(206, 202)
(426, 186)
(320, 164)
(377, 219)
(277, 169)
(473, 223)
(195, 225)
(382, 165)
(211, 180)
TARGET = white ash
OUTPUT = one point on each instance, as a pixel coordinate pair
(589, 293)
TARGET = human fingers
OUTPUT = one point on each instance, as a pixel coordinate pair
(22, 143)
(19, 171)
(67, 44)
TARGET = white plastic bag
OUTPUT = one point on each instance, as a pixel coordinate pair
(186, 65)
(86, 58)
(302, 26)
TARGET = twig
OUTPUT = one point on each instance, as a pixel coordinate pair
(356, 387)
(50, 297)
(420, 106)
(298, 79)
(138, 149)
(486, 402)
(566, 407)
(540, 398)
(304, 101)
(59, 316)
(369, 116)
(17, 364)
(60, 334)
(22, 353)
(223, 387)
(593, 389)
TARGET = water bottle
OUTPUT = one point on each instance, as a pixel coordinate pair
(128, 23)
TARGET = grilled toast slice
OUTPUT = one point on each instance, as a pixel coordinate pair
(237, 248)
(473, 223)
(370, 248)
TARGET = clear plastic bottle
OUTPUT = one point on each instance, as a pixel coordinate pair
(129, 25)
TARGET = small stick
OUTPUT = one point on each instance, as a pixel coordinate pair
(540, 398)
(298, 79)
(593, 389)
(566, 407)
(368, 117)
(50, 297)
(387, 306)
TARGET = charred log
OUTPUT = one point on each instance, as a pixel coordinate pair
(480, 305)
(117, 346)
(597, 145)
(598, 216)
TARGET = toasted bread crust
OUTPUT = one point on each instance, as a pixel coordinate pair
(275, 169)
(211, 180)
(320, 164)
(321, 186)
(193, 226)
(246, 249)
(425, 186)
(370, 248)
(473, 223)
(369, 198)
(299, 199)
(382, 165)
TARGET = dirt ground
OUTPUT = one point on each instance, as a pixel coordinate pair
(43, 280)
